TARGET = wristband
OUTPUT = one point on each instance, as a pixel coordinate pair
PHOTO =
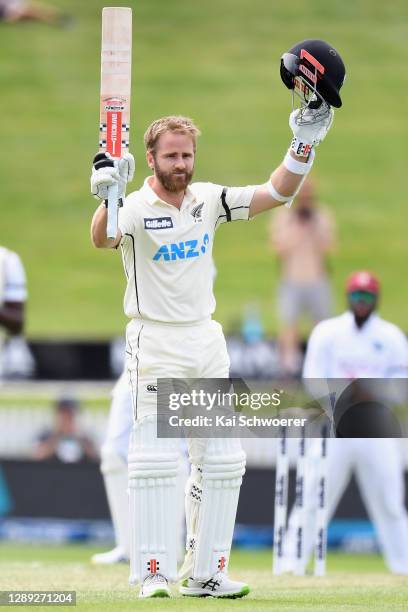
(297, 167)
(300, 148)
(275, 194)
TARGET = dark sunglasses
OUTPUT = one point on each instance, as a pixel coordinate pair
(362, 296)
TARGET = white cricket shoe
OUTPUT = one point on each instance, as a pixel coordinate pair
(217, 586)
(155, 585)
(116, 555)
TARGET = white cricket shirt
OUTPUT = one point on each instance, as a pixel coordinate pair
(337, 348)
(167, 252)
(12, 277)
(12, 286)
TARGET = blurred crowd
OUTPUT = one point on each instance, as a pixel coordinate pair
(65, 441)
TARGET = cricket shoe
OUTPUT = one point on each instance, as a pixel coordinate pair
(155, 585)
(116, 555)
(217, 586)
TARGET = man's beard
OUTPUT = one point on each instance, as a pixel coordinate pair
(171, 181)
(361, 318)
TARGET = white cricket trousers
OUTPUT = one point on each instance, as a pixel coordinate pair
(157, 350)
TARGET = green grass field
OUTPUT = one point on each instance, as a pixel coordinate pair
(218, 62)
(354, 582)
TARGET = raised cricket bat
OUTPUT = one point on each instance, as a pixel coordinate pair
(116, 69)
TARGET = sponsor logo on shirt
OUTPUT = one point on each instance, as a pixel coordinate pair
(158, 223)
(182, 250)
(151, 388)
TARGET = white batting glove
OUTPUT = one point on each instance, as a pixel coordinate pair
(310, 132)
(126, 168)
(107, 171)
(104, 175)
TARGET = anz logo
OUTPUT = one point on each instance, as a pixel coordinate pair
(182, 250)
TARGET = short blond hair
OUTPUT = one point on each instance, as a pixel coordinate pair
(173, 123)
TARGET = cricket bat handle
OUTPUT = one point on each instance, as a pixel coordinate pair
(112, 223)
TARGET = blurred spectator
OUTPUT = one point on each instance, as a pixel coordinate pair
(301, 237)
(65, 442)
(13, 295)
(252, 328)
(25, 10)
(362, 347)
(251, 355)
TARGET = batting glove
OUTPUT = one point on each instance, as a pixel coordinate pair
(107, 171)
(126, 167)
(310, 132)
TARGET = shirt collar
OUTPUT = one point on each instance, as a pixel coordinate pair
(152, 197)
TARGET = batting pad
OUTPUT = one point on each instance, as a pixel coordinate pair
(153, 468)
(211, 505)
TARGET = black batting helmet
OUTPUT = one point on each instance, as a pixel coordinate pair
(314, 66)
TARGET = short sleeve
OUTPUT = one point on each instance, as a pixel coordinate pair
(232, 203)
(15, 284)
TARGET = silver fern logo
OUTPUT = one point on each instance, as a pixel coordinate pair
(197, 213)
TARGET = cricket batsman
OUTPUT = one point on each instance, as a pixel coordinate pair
(166, 231)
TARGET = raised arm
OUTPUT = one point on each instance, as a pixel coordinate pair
(105, 173)
(98, 230)
(287, 179)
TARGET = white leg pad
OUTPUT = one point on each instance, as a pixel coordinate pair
(211, 507)
(153, 469)
(115, 475)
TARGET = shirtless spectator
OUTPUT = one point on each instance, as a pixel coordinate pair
(301, 237)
